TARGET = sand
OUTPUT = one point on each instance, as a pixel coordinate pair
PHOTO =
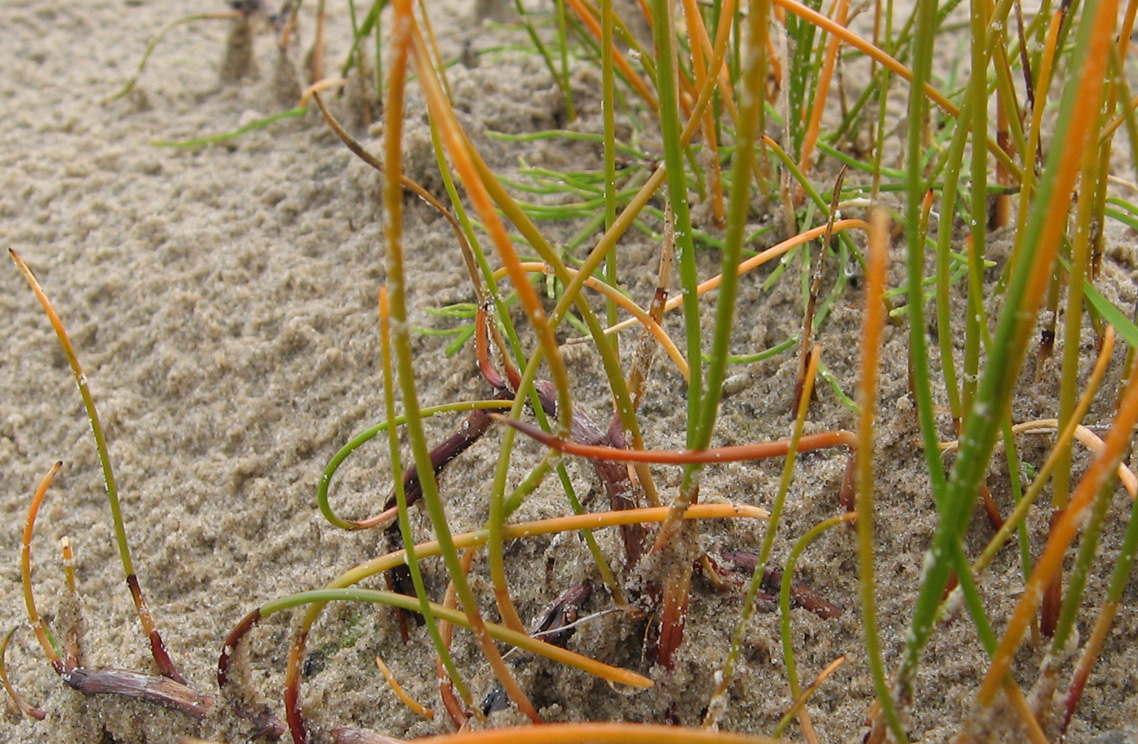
(222, 301)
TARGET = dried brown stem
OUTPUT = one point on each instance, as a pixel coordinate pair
(161, 690)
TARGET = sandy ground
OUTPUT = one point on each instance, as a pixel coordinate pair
(222, 300)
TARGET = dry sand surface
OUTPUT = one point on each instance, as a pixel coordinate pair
(222, 300)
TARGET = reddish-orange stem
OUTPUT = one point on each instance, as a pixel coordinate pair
(733, 453)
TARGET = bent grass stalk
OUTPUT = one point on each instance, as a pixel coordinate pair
(24, 706)
(732, 453)
(154, 40)
(322, 490)
(145, 618)
(482, 182)
(798, 707)
(756, 261)
(43, 635)
(619, 299)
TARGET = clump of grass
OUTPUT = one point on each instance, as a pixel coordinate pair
(740, 125)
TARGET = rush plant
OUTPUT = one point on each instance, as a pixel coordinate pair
(768, 170)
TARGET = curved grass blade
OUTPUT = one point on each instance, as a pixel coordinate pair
(145, 617)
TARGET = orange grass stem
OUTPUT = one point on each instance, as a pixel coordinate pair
(873, 322)
(451, 702)
(1088, 439)
(570, 523)
(34, 618)
(733, 453)
(700, 46)
(580, 733)
(318, 87)
(400, 693)
(821, 93)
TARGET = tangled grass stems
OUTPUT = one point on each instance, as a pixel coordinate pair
(1031, 270)
(461, 619)
(1097, 476)
(342, 589)
(456, 145)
